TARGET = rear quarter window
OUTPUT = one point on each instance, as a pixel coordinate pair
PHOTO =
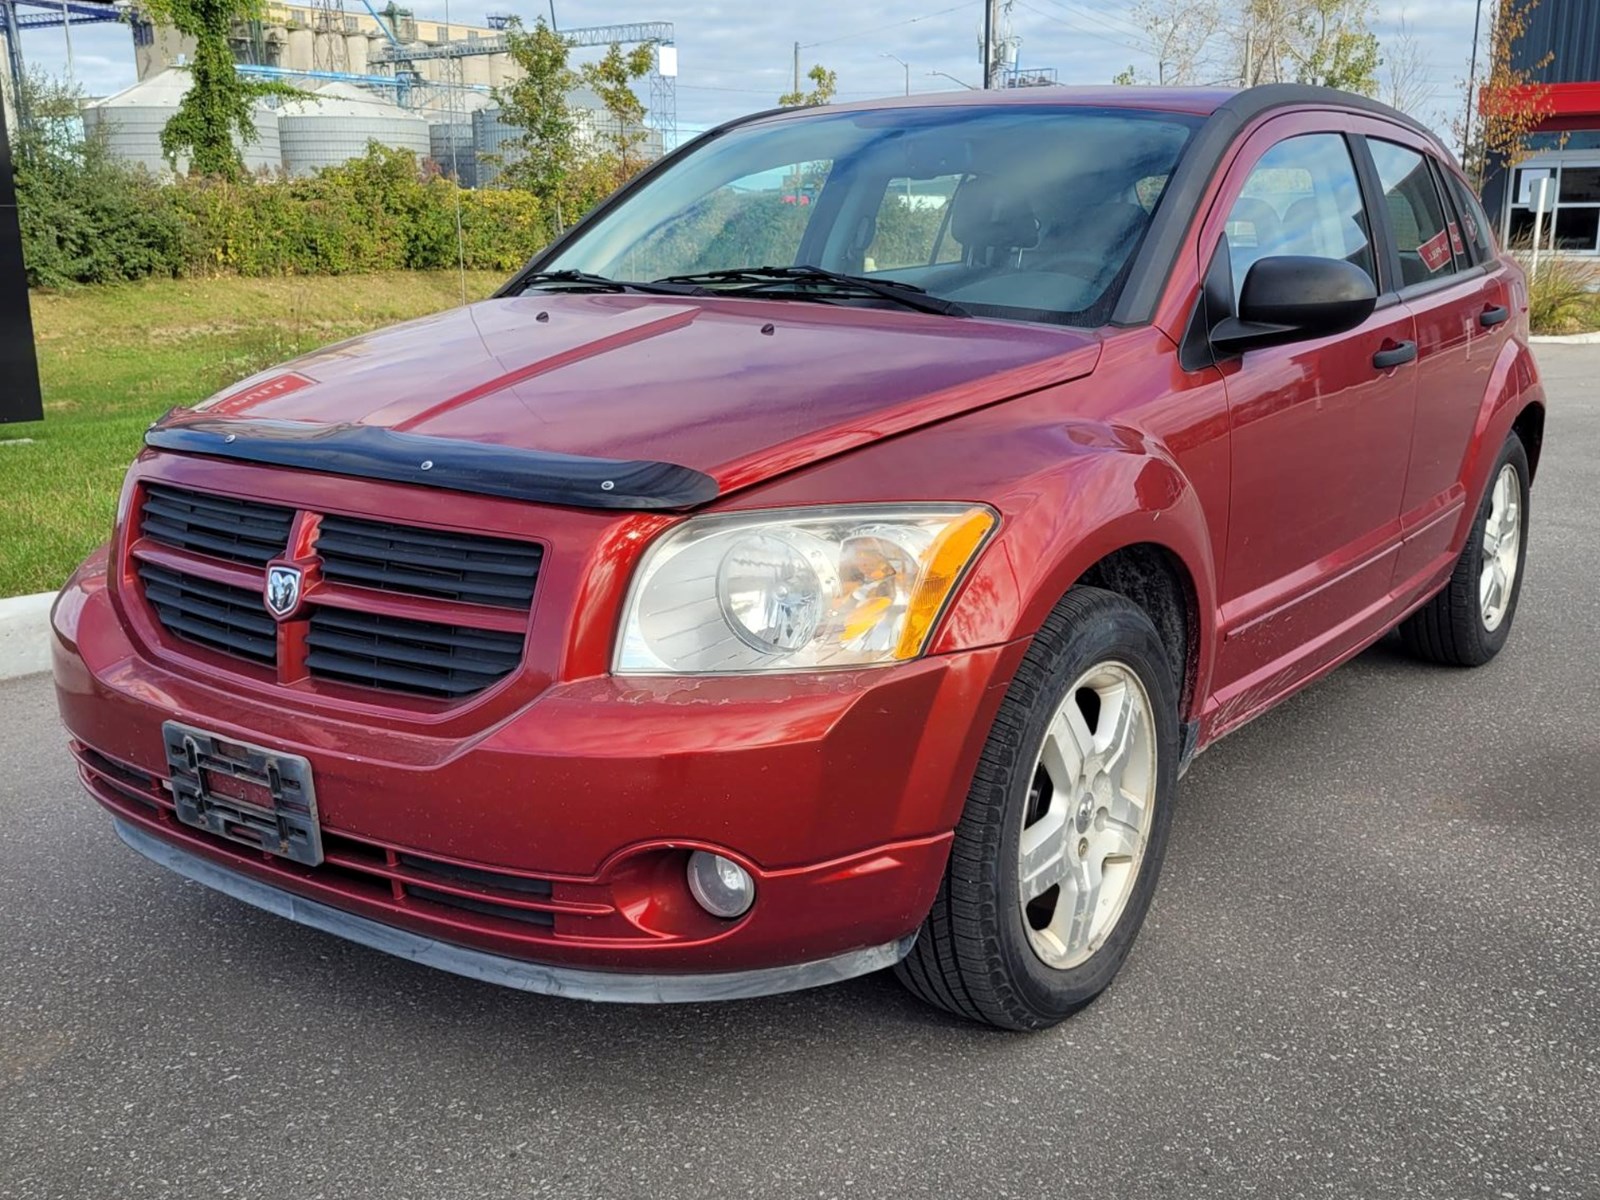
(1474, 224)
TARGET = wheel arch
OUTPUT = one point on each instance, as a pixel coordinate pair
(1125, 520)
(1529, 426)
(1160, 583)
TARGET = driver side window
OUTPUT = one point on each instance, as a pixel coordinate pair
(1302, 198)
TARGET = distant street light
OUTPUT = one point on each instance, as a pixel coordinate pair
(904, 64)
(953, 79)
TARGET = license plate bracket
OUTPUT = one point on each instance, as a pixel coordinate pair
(249, 794)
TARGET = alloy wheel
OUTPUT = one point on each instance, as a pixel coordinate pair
(1502, 546)
(1088, 816)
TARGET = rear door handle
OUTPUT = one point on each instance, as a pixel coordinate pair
(1394, 356)
(1494, 315)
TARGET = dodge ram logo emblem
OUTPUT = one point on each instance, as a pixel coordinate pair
(283, 590)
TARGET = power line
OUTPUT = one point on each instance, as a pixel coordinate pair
(880, 28)
(1107, 20)
(700, 87)
(1094, 33)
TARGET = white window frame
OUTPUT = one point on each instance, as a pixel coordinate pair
(1557, 161)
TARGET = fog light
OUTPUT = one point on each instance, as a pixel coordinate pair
(722, 887)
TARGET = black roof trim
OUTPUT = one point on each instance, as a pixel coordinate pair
(1177, 212)
(370, 452)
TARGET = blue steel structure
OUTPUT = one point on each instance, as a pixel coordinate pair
(54, 13)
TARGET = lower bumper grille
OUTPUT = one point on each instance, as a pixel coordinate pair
(356, 867)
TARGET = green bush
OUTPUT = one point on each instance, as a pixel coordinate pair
(1560, 298)
(380, 212)
(88, 219)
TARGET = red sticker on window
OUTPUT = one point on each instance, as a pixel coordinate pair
(271, 389)
(1456, 243)
(1435, 252)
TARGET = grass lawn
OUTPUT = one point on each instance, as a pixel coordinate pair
(113, 359)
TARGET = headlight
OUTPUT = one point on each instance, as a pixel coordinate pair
(796, 591)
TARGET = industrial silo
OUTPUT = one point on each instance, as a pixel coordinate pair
(131, 123)
(492, 142)
(336, 126)
(451, 142)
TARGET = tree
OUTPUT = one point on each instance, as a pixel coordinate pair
(218, 107)
(554, 156)
(824, 84)
(1324, 42)
(1182, 36)
(1340, 51)
(1404, 84)
(1512, 102)
(543, 155)
(623, 131)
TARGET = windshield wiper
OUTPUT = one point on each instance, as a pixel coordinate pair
(757, 279)
(583, 281)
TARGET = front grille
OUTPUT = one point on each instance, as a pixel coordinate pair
(468, 568)
(237, 530)
(409, 656)
(392, 607)
(218, 615)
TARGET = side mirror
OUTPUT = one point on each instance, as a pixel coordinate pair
(1287, 298)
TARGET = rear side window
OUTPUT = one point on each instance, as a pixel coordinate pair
(1301, 198)
(1415, 213)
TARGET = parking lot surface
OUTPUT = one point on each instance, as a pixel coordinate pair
(1371, 970)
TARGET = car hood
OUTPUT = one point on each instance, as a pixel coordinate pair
(738, 389)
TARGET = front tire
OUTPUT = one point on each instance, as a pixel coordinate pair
(1468, 622)
(1056, 856)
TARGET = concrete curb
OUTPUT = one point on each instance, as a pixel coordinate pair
(25, 635)
(1565, 339)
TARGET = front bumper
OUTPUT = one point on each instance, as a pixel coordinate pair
(554, 840)
(574, 983)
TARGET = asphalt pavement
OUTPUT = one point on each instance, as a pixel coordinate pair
(1372, 969)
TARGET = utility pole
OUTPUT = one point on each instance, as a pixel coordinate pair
(1472, 83)
(904, 64)
(797, 67)
(1249, 59)
(991, 22)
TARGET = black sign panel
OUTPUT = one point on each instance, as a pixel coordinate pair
(19, 366)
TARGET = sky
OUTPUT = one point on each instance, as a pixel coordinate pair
(737, 55)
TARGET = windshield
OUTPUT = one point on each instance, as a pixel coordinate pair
(1023, 212)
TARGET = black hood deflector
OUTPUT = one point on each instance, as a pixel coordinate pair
(370, 452)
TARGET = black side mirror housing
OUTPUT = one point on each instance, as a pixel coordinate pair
(1288, 298)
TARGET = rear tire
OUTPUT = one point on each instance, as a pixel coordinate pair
(1057, 853)
(1468, 622)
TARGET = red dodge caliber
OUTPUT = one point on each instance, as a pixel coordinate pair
(828, 555)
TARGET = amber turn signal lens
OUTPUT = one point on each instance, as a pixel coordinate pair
(946, 561)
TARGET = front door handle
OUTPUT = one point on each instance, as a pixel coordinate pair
(1395, 355)
(1494, 315)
